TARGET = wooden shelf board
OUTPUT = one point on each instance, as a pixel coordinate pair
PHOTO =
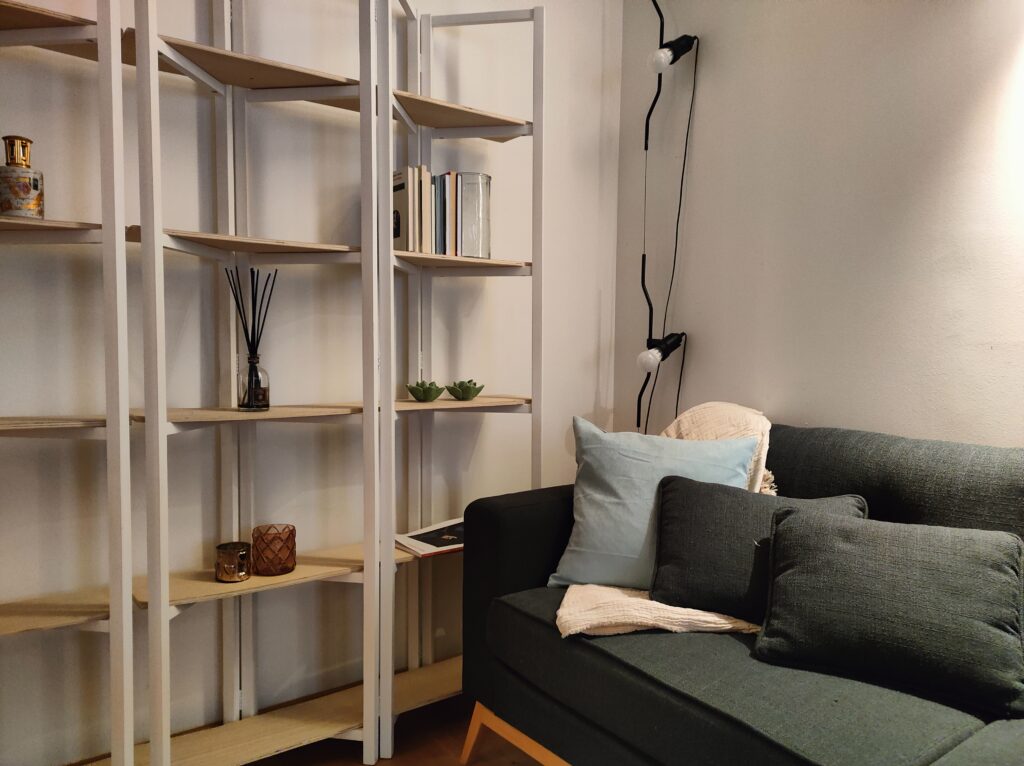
(197, 586)
(353, 554)
(258, 73)
(12, 223)
(261, 736)
(302, 723)
(45, 423)
(238, 244)
(481, 402)
(228, 415)
(428, 684)
(239, 69)
(14, 15)
(435, 113)
(456, 261)
(56, 610)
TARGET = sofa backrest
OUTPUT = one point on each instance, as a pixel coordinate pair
(911, 481)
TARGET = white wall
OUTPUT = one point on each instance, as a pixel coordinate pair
(853, 245)
(304, 164)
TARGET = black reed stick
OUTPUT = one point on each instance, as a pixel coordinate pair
(255, 319)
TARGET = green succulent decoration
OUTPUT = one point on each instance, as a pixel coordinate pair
(422, 391)
(464, 390)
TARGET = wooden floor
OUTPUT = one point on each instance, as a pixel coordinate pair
(430, 736)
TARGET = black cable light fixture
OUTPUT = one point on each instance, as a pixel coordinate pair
(659, 349)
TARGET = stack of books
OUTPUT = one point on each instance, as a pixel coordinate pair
(428, 215)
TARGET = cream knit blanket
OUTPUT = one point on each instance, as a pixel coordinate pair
(600, 610)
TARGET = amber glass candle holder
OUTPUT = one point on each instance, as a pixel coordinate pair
(233, 560)
(273, 549)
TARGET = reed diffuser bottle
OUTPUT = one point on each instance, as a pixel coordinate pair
(253, 384)
(253, 380)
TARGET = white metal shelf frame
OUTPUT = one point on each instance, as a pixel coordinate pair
(106, 34)
(419, 36)
(237, 442)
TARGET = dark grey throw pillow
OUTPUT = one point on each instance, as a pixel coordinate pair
(935, 610)
(713, 544)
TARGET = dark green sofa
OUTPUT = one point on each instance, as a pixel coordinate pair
(654, 697)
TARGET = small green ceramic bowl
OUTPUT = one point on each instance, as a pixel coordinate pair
(464, 390)
(422, 391)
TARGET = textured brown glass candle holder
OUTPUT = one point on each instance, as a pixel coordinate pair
(273, 549)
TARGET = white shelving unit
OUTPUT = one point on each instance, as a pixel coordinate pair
(106, 609)
(237, 82)
(420, 270)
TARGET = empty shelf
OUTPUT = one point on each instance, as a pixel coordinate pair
(433, 261)
(11, 223)
(240, 69)
(435, 113)
(231, 243)
(304, 722)
(56, 610)
(15, 15)
(45, 423)
(256, 73)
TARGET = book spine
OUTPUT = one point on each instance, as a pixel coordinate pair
(400, 210)
(426, 210)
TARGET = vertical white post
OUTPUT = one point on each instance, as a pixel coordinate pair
(386, 276)
(247, 433)
(426, 568)
(115, 346)
(369, 181)
(414, 519)
(227, 370)
(155, 383)
(537, 366)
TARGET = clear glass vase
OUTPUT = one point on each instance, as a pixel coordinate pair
(253, 385)
(476, 215)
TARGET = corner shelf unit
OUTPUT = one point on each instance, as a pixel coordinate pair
(110, 606)
(237, 80)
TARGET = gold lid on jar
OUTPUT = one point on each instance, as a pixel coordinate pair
(18, 151)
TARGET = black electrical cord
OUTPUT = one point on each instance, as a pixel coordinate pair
(675, 251)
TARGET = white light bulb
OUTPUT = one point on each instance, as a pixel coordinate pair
(660, 60)
(649, 360)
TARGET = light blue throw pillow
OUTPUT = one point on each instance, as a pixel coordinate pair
(617, 478)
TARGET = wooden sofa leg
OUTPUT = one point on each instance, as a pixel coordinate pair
(484, 717)
(473, 733)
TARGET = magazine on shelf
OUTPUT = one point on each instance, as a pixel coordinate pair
(446, 537)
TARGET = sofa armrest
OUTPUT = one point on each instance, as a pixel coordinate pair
(513, 543)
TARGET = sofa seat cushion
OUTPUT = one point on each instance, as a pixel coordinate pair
(1001, 743)
(703, 698)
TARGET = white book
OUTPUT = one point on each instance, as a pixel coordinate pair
(412, 176)
(446, 537)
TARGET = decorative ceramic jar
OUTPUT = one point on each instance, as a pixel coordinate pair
(21, 188)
